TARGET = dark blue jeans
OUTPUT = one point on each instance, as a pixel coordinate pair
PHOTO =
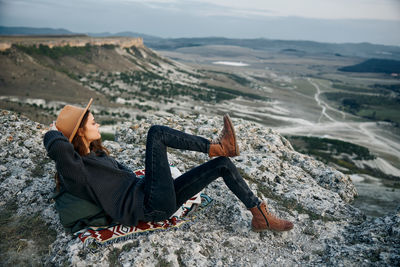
(163, 194)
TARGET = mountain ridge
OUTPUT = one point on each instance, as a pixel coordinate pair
(363, 50)
(32, 31)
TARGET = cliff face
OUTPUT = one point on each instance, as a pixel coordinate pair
(328, 230)
(73, 41)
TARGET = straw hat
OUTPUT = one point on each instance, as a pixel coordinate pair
(69, 119)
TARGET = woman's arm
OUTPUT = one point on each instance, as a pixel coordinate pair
(68, 161)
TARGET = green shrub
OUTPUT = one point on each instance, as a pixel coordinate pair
(108, 136)
(55, 52)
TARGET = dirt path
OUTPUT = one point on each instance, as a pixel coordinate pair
(320, 103)
(316, 85)
(368, 134)
(324, 106)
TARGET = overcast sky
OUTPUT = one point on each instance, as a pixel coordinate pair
(375, 21)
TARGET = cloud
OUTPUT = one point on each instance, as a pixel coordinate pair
(322, 9)
(306, 19)
(205, 8)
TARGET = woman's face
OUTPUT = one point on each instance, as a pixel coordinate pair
(91, 129)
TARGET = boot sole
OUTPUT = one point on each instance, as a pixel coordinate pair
(237, 152)
(269, 230)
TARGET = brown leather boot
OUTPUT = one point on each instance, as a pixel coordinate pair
(263, 220)
(226, 144)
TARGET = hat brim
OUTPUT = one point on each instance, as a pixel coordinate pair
(80, 120)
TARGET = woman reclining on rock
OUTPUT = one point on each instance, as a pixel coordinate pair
(87, 171)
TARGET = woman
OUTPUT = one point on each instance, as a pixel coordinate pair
(87, 171)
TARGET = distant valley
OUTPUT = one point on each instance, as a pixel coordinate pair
(349, 119)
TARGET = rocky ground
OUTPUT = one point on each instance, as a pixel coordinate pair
(328, 230)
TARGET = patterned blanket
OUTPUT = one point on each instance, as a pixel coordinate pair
(100, 236)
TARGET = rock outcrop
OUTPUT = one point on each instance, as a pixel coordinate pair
(72, 41)
(328, 230)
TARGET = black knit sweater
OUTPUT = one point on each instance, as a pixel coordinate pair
(97, 178)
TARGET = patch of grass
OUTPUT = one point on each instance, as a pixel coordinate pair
(130, 245)
(25, 240)
(55, 52)
(377, 113)
(38, 171)
(319, 252)
(113, 257)
(332, 147)
(305, 87)
(374, 254)
(235, 93)
(136, 52)
(108, 46)
(240, 80)
(377, 65)
(107, 122)
(191, 74)
(140, 117)
(340, 153)
(133, 77)
(179, 254)
(5, 52)
(378, 107)
(161, 262)
(351, 88)
(108, 136)
(391, 87)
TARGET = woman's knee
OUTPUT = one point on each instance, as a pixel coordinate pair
(155, 132)
(224, 163)
(154, 129)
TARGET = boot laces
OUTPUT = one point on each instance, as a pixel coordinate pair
(268, 212)
(219, 138)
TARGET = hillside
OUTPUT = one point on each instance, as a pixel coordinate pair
(375, 65)
(310, 48)
(31, 31)
(328, 230)
(41, 73)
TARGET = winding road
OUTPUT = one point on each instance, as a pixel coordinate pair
(368, 134)
(324, 106)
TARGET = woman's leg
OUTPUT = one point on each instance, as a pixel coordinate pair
(193, 181)
(160, 197)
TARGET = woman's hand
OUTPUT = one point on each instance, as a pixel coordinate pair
(53, 126)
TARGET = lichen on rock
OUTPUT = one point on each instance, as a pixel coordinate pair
(317, 198)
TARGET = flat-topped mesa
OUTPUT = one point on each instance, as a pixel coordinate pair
(4, 46)
(6, 42)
